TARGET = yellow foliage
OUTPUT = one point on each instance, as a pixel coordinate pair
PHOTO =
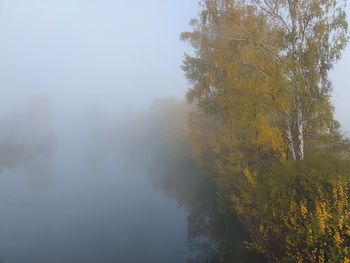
(249, 176)
(322, 215)
(269, 137)
(303, 208)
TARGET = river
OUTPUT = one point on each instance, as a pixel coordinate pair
(80, 204)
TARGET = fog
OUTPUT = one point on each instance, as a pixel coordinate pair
(111, 54)
(72, 73)
(83, 175)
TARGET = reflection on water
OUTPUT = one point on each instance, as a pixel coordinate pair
(212, 237)
(93, 195)
(86, 213)
(77, 203)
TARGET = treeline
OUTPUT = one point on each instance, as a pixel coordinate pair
(26, 133)
(264, 130)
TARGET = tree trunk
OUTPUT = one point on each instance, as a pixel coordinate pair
(290, 144)
(300, 133)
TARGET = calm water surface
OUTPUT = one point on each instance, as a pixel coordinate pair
(80, 205)
(76, 207)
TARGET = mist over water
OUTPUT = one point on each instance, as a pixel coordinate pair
(78, 203)
(69, 190)
(94, 187)
(83, 202)
(85, 172)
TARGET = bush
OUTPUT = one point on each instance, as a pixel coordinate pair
(301, 211)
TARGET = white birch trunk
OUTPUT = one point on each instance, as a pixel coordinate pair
(289, 137)
(300, 133)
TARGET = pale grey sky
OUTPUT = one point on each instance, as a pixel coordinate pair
(121, 54)
(341, 83)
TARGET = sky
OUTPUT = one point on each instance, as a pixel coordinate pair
(341, 85)
(118, 54)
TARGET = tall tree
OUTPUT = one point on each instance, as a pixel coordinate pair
(267, 60)
(230, 76)
(314, 32)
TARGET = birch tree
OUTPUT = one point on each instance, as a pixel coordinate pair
(314, 33)
(274, 55)
(233, 80)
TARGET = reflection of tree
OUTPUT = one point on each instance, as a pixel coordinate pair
(216, 237)
(212, 236)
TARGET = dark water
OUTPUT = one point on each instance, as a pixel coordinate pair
(80, 205)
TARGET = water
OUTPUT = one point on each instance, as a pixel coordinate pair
(66, 208)
(82, 204)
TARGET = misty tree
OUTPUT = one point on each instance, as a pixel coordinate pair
(268, 60)
(259, 75)
(313, 34)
